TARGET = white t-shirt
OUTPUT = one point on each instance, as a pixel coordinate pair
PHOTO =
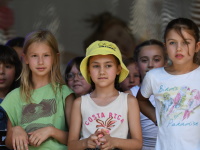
(149, 130)
(177, 100)
(113, 116)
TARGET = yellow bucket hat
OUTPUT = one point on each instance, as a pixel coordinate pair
(102, 48)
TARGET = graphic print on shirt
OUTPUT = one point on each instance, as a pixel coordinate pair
(181, 107)
(32, 112)
(108, 124)
(104, 120)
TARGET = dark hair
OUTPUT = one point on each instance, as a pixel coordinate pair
(75, 61)
(147, 43)
(9, 56)
(17, 41)
(128, 61)
(184, 23)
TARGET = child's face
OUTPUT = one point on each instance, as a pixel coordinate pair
(181, 51)
(103, 70)
(150, 57)
(7, 76)
(77, 82)
(39, 57)
(132, 79)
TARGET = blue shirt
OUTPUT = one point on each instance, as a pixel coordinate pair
(3, 118)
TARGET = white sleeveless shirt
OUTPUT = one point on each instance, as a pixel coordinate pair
(113, 116)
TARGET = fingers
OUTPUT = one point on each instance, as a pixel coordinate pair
(105, 131)
(20, 144)
(35, 141)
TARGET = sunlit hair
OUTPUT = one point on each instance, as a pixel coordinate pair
(188, 26)
(40, 36)
(9, 56)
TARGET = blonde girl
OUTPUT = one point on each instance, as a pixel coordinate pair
(37, 110)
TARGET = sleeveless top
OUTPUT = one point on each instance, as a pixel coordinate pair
(149, 130)
(113, 117)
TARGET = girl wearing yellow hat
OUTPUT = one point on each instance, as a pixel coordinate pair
(105, 116)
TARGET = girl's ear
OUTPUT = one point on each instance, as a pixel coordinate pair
(119, 68)
(24, 58)
(197, 47)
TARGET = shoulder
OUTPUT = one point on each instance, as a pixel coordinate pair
(65, 87)
(198, 69)
(15, 92)
(130, 97)
(77, 101)
(156, 70)
(129, 92)
(132, 101)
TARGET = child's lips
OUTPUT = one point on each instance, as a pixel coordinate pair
(102, 78)
(40, 68)
(2, 81)
(179, 56)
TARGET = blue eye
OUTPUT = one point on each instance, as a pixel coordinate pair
(171, 43)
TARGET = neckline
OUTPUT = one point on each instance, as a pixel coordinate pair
(163, 68)
(104, 105)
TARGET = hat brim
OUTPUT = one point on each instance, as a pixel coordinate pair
(106, 51)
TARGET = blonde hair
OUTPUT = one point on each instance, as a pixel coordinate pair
(40, 36)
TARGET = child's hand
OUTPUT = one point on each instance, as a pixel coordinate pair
(19, 138)
(106, 140)
(37, 137)
(92, 141)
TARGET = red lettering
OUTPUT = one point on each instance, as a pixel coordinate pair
(118, 118)
(90, 119)
(110, 114)
(94, 117)
(102, 115)
(87, 123)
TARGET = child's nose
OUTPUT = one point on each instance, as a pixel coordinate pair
(1, 69)
(40, 60)
(150, 64)
(102, 70)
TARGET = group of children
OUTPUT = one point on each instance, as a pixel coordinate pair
(158, 110)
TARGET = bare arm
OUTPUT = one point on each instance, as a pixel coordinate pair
(146, 107)
(75, 129)
(135, 143)
(16, 137)
(37, 137)
(68, 107)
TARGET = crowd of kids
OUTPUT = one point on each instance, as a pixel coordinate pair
(105, 100)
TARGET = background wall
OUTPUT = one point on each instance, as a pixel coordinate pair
(65, 18)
